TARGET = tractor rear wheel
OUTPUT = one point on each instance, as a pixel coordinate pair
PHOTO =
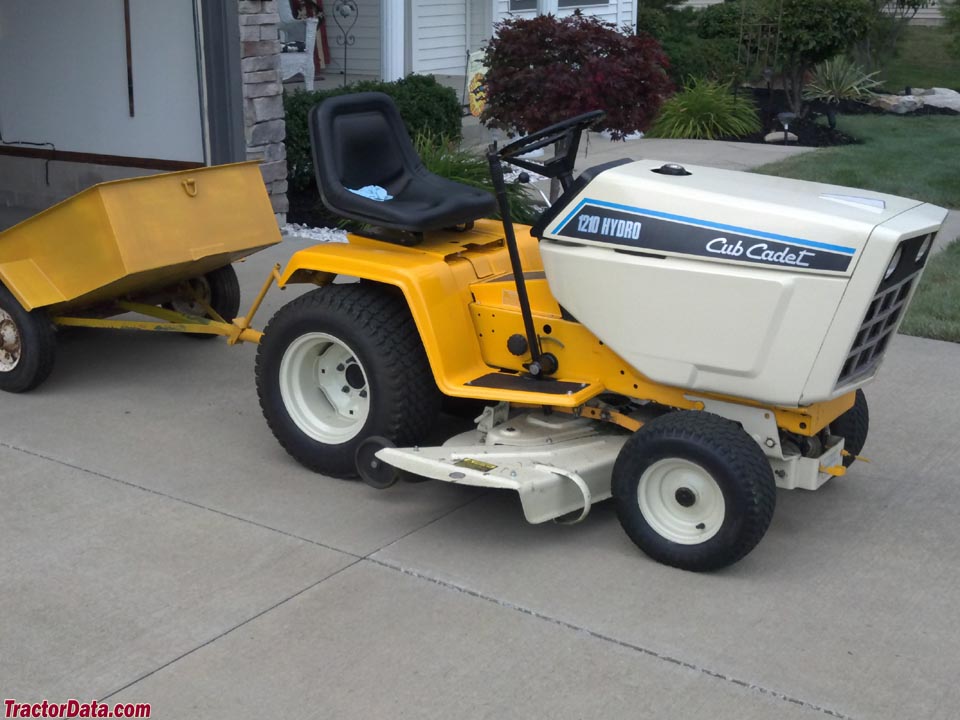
(341, 364)
(28, 345)
(693, 490)
(853, 427)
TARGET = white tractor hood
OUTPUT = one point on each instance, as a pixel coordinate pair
(730, 282)
(729, 216)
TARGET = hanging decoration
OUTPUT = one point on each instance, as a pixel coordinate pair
(345, 14)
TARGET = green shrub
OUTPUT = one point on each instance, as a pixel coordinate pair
(713, 59)
(682, 22)
(836, 80)
(812, 31)
(801, 33)
(442, 157)
(689, 55)
(839, 79)
(705, 110)
(425, 106)
(652, 21)
(727, 20)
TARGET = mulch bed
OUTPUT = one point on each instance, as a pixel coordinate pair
(810, 132)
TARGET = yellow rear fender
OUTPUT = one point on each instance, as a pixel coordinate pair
(436, 288)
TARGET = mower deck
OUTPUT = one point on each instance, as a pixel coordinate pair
(561, 464)
(558, 464)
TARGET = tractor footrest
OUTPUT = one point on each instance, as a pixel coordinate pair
(527, 383)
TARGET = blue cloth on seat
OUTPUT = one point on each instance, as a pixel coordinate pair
(372, 192)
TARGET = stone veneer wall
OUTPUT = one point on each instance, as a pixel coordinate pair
(264, 124)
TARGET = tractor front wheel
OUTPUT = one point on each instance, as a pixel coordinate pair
(693, 490)
(341, 364)
(853, 427)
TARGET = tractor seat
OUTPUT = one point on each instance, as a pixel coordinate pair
(360, 140)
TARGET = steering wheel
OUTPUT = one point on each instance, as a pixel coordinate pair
(571, 127)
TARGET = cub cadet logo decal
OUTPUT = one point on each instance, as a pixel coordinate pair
(652, 231)
(760, 251)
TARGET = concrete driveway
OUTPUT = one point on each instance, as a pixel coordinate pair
(159, 546)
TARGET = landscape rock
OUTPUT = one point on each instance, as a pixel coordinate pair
(776, 137)
(944, 98)
(899, 104)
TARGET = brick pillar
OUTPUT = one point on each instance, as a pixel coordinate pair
(263, 116)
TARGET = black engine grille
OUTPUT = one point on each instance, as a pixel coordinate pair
(884, 314)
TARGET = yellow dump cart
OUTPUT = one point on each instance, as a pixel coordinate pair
(160, 246)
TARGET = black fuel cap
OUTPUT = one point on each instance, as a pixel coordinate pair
(671, 169)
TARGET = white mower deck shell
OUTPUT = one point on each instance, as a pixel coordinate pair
(560, 464)
(727, 282)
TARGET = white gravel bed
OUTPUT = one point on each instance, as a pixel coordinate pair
(317, 235)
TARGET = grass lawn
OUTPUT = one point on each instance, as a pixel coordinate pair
(935, 310)
(923, 60)
(916, 157)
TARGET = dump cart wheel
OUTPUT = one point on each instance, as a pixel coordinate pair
(341, 364)
(27, 345)
(853, 427)
(220, 289)
(693, 490)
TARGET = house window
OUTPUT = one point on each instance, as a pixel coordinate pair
(567, 4)
(521, 5)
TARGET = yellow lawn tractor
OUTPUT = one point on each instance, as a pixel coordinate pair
(683, 339)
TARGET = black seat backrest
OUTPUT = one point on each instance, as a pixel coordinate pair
(360, 139)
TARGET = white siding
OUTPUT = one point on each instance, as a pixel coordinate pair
(439, 36)
(502, 11)
(363, 57)
(481, 28)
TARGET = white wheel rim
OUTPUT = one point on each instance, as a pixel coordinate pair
(681, 501)
(9, 342)
(324, 388)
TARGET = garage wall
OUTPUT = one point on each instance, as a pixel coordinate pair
(64, 78)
